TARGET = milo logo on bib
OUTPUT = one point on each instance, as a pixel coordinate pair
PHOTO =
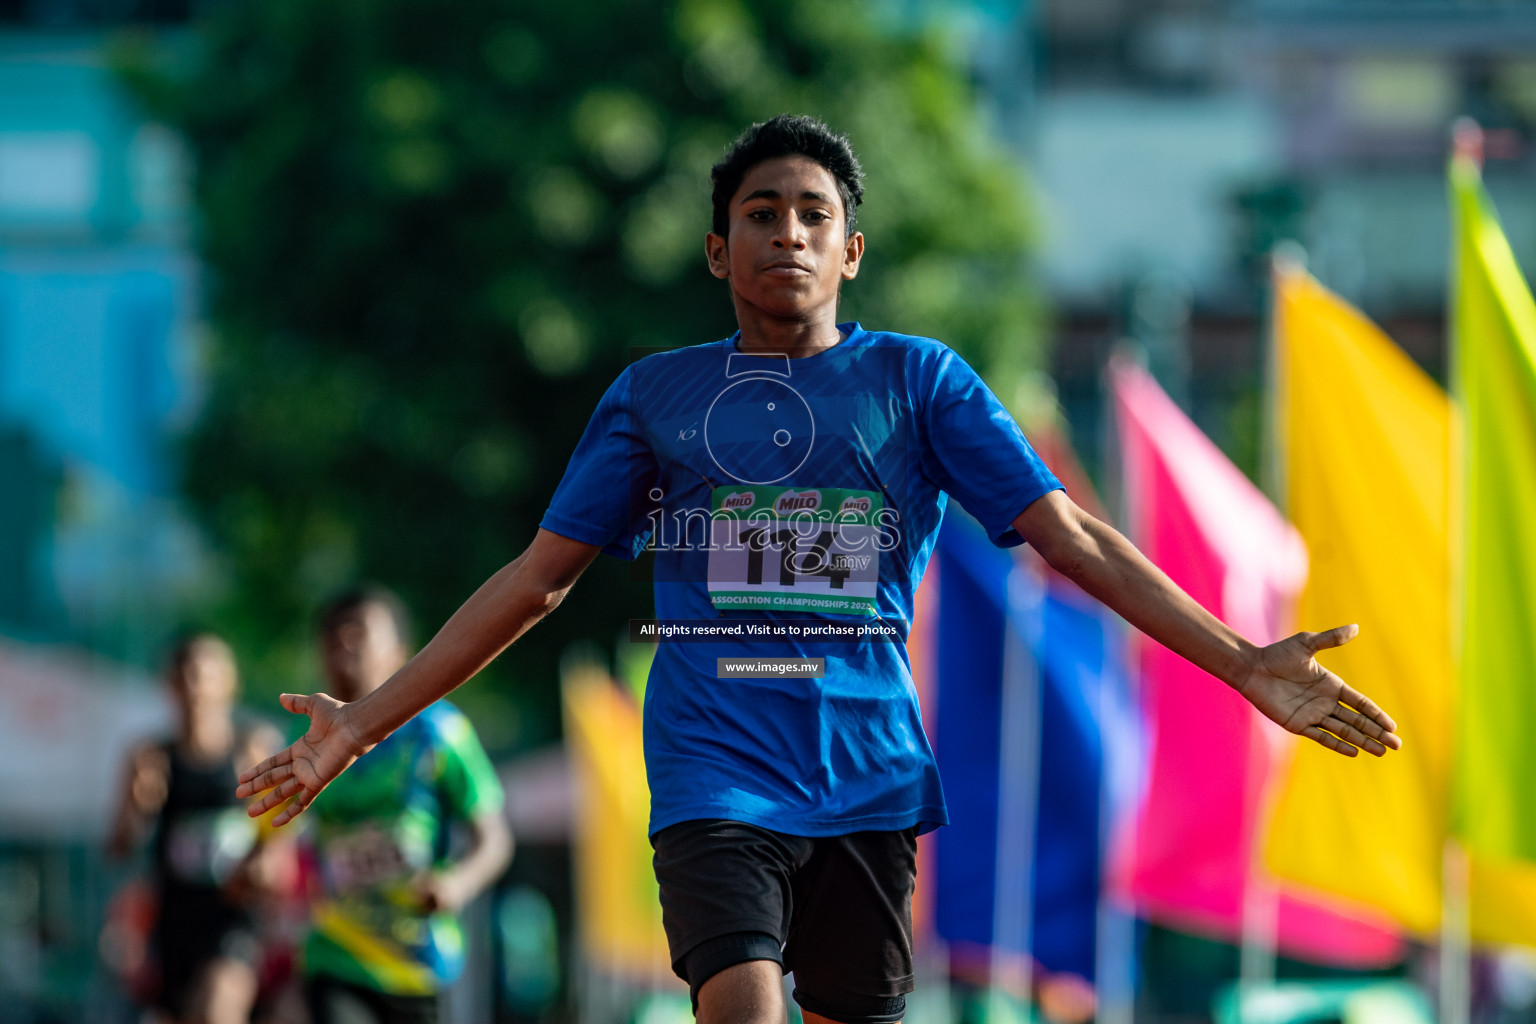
(797, 501)
(797, 549)
(737, 501)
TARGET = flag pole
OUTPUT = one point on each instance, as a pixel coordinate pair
(1261, 897)
(1115, 938)
(1012, 952)
(1287, 259)
(1455, 939)
(1455, 967)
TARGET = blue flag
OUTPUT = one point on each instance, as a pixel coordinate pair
(1029, 683)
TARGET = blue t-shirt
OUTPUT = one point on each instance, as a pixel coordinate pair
(828, 476)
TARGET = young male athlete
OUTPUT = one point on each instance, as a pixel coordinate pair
(798, 471)
(384, 936)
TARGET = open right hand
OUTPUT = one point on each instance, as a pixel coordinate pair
(1290, 688)
(307, 766)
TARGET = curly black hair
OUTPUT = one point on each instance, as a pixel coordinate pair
(788, 135)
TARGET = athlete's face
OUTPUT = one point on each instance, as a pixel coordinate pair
(204, 682)
(788, 250)
(361, 650)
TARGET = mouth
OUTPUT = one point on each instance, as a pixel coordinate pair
(786, 268)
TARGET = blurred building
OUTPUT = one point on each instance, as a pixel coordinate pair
(67, 723)
(97, 374)
(1174, 142)
(97, 310)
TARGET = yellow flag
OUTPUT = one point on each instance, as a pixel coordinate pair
(618, 915)
(1365, 436)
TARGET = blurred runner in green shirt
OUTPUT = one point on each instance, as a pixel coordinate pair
(384, 937)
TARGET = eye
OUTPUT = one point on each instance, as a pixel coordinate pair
(762, 213)
(816, 216)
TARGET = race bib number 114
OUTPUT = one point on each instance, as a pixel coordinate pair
(794, 550)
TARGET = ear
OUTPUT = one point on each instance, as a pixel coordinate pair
(717, 253)
(853, 252)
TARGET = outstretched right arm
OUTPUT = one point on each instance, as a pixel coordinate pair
(503, 609)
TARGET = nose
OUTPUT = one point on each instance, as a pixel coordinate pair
(791, 233)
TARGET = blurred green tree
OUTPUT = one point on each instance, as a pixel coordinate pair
(433, 233)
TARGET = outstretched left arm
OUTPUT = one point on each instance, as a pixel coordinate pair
(1282, 680)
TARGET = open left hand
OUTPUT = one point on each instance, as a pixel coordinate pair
(309, 764)
(1291, 689)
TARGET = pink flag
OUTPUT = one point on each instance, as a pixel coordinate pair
(1188, 860)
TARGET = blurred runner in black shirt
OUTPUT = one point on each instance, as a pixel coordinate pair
(208, 857)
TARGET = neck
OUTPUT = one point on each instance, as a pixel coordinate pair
(207, 735)
(763, 332)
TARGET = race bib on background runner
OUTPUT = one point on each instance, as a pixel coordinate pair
(788, 549)
(365, 857)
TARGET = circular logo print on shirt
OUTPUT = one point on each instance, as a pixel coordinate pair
(759, 430)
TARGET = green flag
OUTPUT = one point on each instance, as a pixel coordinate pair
(1494, 377)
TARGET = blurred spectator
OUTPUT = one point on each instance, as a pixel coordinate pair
(211, 863)
(384, 934)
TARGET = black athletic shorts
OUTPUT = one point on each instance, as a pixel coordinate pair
(196, 927)
(835, 910)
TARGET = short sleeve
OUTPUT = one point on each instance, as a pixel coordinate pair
(975, 451)
(466, 780)
(604, 497)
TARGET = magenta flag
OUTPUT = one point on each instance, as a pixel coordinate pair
(1187, 859)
